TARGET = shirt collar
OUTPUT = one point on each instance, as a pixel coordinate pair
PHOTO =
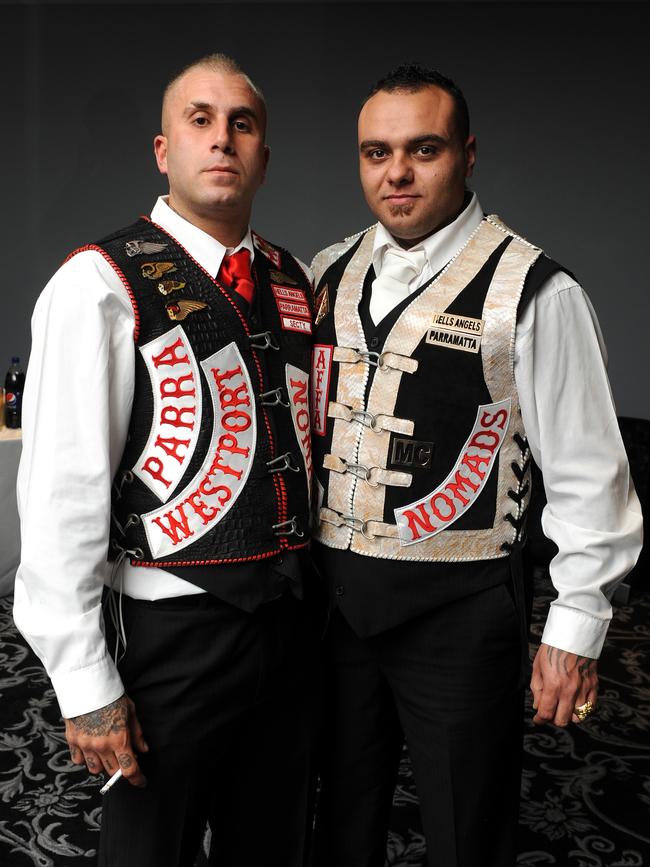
(439, 247)
(207, 251)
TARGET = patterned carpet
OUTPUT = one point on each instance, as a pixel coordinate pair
(586, 792)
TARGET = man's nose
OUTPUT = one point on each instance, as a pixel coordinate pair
(399, 170)
(222, 136)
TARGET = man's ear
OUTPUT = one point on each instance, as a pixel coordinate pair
(267, 157)
(160, 150)
(470, 155)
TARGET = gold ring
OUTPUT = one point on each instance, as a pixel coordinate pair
(583, 711)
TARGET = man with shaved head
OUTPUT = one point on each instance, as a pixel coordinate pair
(164, 581)
(449, 351)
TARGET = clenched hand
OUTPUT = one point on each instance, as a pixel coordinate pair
(562, 681)
(107, 739)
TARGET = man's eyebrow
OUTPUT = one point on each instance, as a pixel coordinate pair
(236, 111)
(246, 110)
(198, 106)
(368, 144)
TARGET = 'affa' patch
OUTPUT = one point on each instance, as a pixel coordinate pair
(321, 371)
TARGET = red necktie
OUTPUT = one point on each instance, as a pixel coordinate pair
(235, 273)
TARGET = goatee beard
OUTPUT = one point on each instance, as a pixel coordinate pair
(402, 210)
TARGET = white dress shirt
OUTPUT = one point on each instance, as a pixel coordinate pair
(593, 513)
(76, 412)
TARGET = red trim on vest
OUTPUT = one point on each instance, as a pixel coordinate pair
(283, 547)
(280, 490)
(120, 274)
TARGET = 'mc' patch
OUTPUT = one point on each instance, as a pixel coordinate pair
(411, 453)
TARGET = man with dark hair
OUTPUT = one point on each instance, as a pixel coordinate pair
(185, 459)
(449, 352)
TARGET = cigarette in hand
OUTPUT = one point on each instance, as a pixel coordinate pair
(110, 782)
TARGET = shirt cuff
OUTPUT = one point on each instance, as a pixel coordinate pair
(575, 631)
(88, 689)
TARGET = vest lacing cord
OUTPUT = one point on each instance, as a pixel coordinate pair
(268, 338)
(288, 463)
(519, 494)
(292, 526)
(382, 360)
(127, 479)
(114, 605)
(276, 397)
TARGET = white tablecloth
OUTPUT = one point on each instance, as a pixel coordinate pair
(10, 447)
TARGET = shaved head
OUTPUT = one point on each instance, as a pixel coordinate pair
(220, 63)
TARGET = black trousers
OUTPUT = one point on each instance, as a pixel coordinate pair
(228, 702)
(449, 683)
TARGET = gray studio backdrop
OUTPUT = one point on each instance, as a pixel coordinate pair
(557, 94)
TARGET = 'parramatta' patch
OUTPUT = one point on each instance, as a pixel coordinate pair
(454, 331)
(174, 374)
(321, 371)
(215, 488)
(298, 391)
(451, 499)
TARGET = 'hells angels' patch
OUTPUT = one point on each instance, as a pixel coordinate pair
(321, 371)
(455, 332)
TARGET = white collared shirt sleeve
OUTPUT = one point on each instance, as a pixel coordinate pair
(76, 410)
(593, 514)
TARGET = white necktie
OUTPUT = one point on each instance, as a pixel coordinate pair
(398, 268)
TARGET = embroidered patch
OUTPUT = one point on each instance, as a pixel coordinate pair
(411, 453)
(290, 323)
(298, 390)
(279, 277)
(175, 386)
(214, 489)
(321, 372)
(138, 248)
(166, 287)
(322, 304)
(181, 309)
(155, 270)
(456, 332)
(288, 294)
(294, 308)
(269, 251)
(459, 491)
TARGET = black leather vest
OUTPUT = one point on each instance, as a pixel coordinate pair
(217, 466)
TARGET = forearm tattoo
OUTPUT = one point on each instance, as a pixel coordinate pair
(105, 721)
(565, 662)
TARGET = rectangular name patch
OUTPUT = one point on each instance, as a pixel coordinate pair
(455, 332)
(290, 323)
(321, 371)
(288, 293)
(294, 309)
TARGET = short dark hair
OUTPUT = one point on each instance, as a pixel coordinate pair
(413, 77)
